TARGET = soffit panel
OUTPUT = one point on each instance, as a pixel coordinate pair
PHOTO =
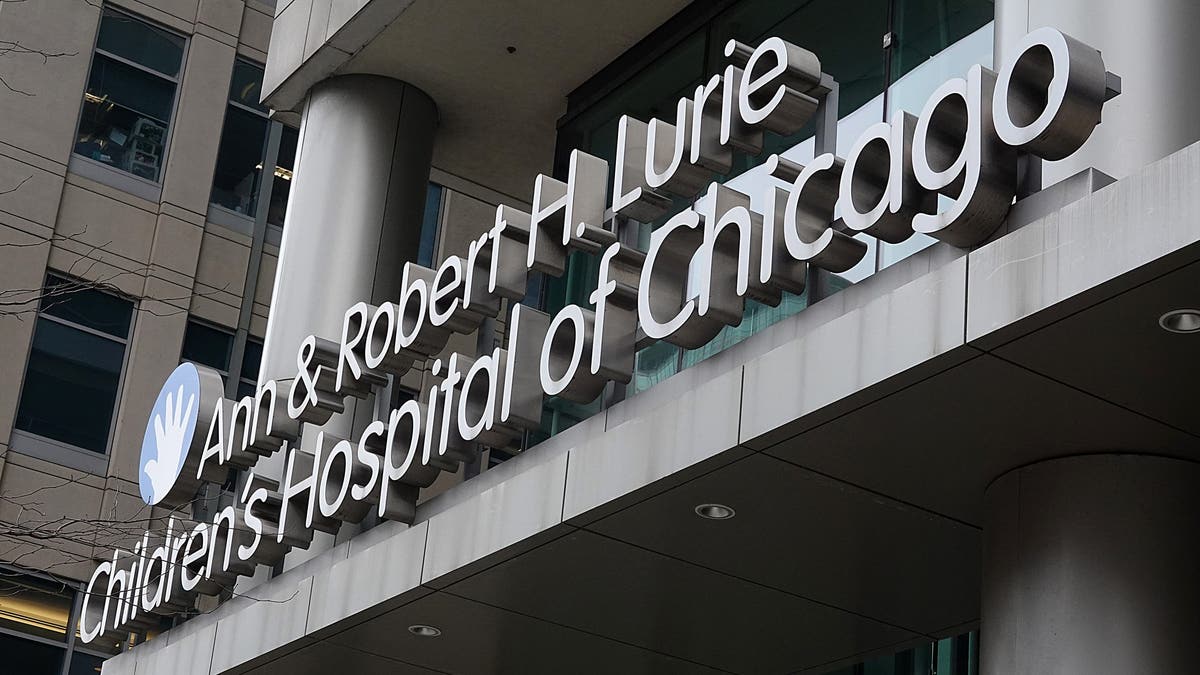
(636, 596)
(323, 658)
(818, 538)
(938, 443)
(478, 638)
(1116, 350)
(498, 111)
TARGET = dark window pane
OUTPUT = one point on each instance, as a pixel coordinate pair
(78, 303)
(240, 160)
(850, 46)
(283, 176)
(65, 359)
(287, 148)
(125, 118)
(28, 657)
(207, 346)
(136, 90)
(651, 92)
(35, 606)
(926, 27)
(140, 42)
(429, 226)
(246, 388)
(85, 664)
(251, 359)
(934, 42)
(246, 85)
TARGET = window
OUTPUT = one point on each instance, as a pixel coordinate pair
(250, 140)
(213, 347)
(36, 614)
(427, 248)
(73, 376)
(130, 95)
(243, 142)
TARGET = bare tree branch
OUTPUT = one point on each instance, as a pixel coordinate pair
(19, 302)
(18, 186)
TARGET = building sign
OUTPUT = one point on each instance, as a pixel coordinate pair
(701, 266)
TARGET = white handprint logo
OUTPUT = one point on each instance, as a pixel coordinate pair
(169, 439)
(169, 433)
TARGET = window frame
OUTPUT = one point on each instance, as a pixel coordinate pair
(60, 452)
(111, 175)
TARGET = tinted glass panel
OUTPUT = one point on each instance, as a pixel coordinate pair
(924, 28)
(125, 118)
(245, 389)
(35, 606)
(76, 302)
(251, 359)
(935, 41)
(30, 658)
(246, 85)
(139, 92)
(429, 226)
(85, 664)
(207, 346)
(140, 42)
(240, 160)
(653, 365)
(65, 359)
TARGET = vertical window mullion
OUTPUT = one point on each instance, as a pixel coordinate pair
(263, 206)
(76, 611)
(267, 184)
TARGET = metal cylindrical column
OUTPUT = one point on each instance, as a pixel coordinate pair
(1090, 566)
(353, 218)
(356, 204)
(1151, 45)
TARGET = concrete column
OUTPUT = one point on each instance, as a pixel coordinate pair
(1090, 566)
(1152, 46)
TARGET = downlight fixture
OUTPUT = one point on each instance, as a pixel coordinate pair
(424, 630)
(1181, 321)
(715, 511)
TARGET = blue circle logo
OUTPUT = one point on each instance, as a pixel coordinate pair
(169, 433)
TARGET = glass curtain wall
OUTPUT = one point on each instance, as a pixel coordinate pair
(887, 56)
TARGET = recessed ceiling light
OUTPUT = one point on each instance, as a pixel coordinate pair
(1181, 321)
(423, 630)
(714, 511)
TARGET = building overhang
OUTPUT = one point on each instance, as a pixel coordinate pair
(500, 85)
(854, 441)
